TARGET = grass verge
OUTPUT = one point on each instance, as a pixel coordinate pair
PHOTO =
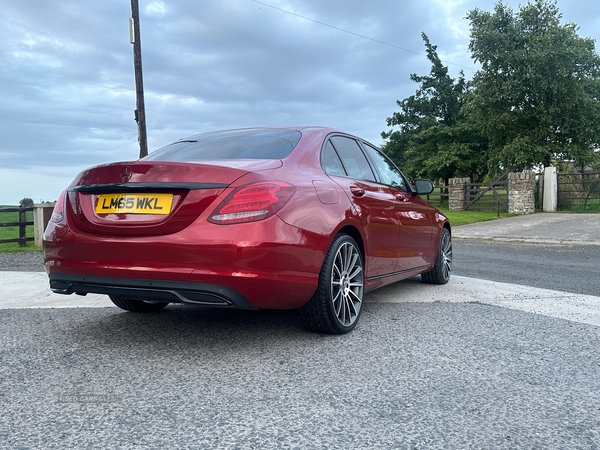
(13, 247)
(466, 217)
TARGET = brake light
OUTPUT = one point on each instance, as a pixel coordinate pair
(58, 212)
(252, 203)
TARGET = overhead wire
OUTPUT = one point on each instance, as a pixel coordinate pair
(355, 34)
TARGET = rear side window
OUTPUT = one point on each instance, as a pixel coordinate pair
(330, 161)
(231, 144)
(353, 158)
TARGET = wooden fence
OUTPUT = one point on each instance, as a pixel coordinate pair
(439, 195)
(22, 224)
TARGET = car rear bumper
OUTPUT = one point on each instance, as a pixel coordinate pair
(269, 264)
(142, 289)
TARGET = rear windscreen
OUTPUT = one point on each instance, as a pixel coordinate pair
(232, 144)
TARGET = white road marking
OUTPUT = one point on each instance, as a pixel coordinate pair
(24, 290)
(562, 305)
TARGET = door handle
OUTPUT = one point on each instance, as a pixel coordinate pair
(358, 192)
(402, 198)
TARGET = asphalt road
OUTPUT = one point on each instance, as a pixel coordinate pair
(411, 376)
(568, 268)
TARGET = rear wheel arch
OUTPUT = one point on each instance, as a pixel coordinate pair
(448, 227)
(353, 232)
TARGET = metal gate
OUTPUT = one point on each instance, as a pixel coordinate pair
(578, 192)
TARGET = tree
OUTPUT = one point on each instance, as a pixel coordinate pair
(26, 202)
(434, 139)
(537, 94)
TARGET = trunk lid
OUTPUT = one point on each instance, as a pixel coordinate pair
(150, 198)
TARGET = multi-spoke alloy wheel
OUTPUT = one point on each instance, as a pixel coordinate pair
(347, 284)
(336, 305)
(442, 269)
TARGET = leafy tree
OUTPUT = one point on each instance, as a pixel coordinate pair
(537, 94)
(26, 202)
(433, 138)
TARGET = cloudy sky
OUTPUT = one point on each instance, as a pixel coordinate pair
(67, 80)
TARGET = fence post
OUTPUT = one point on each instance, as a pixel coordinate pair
(22, 227)
(41, 216)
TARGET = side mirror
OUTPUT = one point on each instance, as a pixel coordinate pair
(423, 186)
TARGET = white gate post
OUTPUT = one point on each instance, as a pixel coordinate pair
(550, 189)
(41, 216)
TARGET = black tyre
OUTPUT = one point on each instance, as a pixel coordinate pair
(138, 306)
(442, 269)
(337, 303)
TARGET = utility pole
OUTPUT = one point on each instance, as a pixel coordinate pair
(140, 111)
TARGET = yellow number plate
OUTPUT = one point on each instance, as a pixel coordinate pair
(134, 204)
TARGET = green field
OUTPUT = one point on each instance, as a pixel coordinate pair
(13, 232)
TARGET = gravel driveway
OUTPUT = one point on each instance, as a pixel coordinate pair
(22, 262)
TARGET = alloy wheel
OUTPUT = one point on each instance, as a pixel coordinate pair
(446, 253)
(347, 284)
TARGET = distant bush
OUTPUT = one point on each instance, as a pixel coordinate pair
(26, 202)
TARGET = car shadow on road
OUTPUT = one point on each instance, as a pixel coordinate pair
(198, 326)
(190, 326)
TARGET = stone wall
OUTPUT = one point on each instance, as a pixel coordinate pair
(521, 187)
(456, 193)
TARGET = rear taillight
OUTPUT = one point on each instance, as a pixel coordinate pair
(58, 212)
(252, 203)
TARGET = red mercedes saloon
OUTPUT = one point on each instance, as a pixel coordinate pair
(306, 218)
